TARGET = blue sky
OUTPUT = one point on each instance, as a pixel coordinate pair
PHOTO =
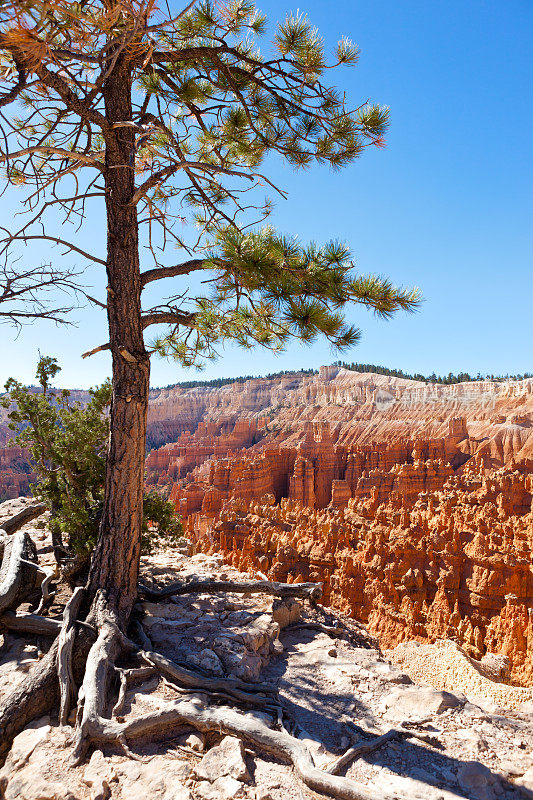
(447, 206)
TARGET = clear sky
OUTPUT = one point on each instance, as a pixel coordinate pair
(446, 206)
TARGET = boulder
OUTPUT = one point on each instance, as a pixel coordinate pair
(227, 758)
(478, 782)
(417, 702)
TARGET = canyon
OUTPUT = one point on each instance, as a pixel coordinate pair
(411, 502)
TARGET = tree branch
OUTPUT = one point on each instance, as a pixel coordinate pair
(46, 150)
(168, 317)
(98, 349)
(56, 240)
(171, 272)
(12, 95)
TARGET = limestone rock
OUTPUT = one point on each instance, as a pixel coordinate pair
(23, 776)
(158, 779)
(224, 788)
(286, 612)
(25, 743)
(478, 781)
(195, 741)
(98, 775)
(227, 758)
(418, 702)
(525, 782)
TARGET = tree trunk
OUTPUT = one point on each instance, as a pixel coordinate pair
(115, 562)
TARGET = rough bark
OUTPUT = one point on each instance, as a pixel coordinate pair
(114, 567)
(66, 639)
(112, 583)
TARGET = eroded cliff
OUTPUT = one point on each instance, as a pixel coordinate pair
(411, 502)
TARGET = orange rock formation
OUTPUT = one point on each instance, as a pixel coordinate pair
(453, 562)
(410, 501)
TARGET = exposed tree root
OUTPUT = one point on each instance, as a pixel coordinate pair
(26, 515)
(306, 591)
(93, 694)
(73, 567)
(47, 574)
(334, 631)
(52, 681)
(140, 635)
(249, 693)
(249, 727)
(47, 595)
(360, 749)
(21, 622)
(67, 687)
(19, 550)
(127, 677)
(39, 693)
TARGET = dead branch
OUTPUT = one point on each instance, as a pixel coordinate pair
(17, 550)
(306, 591)
(64, 654)
(22, 622)
(95, 350)
(61, 242)
(253, 694)
(23, 292)
(46, 150)
(15, 522)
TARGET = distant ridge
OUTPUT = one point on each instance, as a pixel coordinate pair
(445, 380)
(217, 382)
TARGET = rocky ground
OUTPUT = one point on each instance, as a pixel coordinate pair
(459, 737)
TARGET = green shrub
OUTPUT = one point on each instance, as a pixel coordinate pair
(67, 443)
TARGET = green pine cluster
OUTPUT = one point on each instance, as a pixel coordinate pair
(268, 289)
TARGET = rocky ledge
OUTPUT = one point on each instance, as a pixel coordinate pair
(338, 691)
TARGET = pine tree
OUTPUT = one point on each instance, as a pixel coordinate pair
(165, 121)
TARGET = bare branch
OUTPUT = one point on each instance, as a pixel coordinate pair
(23, 294)
(171, 272)
(169, 317)
(56, 240)
(95, 350)
(45, 150)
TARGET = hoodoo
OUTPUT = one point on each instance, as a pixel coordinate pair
(411, 503)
